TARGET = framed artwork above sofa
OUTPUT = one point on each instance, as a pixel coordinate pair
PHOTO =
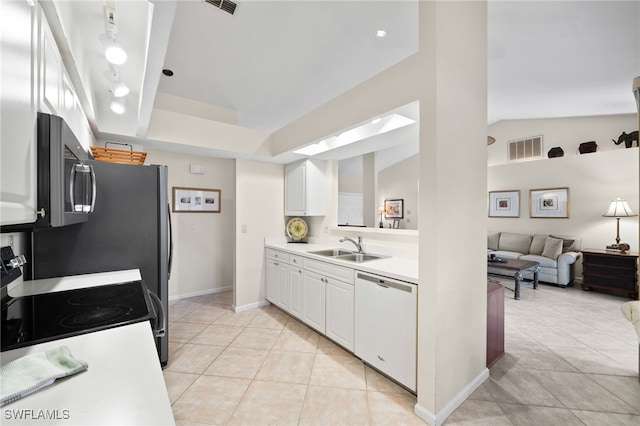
(504, 203)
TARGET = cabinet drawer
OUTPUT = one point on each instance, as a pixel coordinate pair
(278, 255)
(610, 261)
(338, 272)
(296, 260)
(614, 272)
(608, 282)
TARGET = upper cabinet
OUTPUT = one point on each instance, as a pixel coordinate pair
(18, 111)
(57, 94)
(305, 188)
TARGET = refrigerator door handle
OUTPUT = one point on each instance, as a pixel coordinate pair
(170, 261)
(93, 188)
(161, 325)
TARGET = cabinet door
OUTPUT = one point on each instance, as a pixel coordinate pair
(296, 291)
(51, 72)
(284, 294)
(295, 197)
(339, 312)
(18, 111)
(314, 297)
(272, 281)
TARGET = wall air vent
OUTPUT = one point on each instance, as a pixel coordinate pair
(525, 149)
(226, 5)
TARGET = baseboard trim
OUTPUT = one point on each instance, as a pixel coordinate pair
(200, 293)
(250, 306)
(455, 402)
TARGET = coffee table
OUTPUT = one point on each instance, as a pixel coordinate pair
(517, 267)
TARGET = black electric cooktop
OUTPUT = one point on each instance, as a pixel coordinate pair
(29, 320)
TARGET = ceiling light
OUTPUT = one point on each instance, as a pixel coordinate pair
(381, 33)
(116, 55)
(120, 89)
(117, 107)
(364, 131)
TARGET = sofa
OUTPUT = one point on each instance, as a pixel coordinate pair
(556, 254)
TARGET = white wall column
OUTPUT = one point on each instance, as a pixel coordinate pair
(453, 132)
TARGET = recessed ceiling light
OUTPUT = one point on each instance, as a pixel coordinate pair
(116, 55)
(117, 107)
(167, 72)
(381, 33)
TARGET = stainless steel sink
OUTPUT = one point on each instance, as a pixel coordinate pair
(332, 252)
(360, 257)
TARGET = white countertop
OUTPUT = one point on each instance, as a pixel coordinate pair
(122, 386)
(71, 282)
(401, 268)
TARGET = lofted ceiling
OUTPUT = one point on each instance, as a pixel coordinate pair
(273, 61)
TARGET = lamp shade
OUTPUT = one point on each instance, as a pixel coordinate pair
(619, 208)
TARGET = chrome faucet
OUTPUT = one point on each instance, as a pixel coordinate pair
(358, 244)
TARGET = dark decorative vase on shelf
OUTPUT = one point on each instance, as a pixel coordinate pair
(555, 152)
(587, 147)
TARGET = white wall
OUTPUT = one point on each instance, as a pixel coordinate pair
(203, 242)
(593, 180)
(401, 181)
(259, 192)
(566, 133)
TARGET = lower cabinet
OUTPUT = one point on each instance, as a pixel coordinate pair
(314, 300)
(296, 291)
(339, 312)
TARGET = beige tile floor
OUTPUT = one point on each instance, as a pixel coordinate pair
(571, 359)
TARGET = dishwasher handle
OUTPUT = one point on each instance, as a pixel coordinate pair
(386, 283)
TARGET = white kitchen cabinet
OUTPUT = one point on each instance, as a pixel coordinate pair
(296, 287)
(305, 188)
(57, 93)
(278, 278)
(329, 299)
(314, 300)
(18, 111)
(51, 71)
(340, 312)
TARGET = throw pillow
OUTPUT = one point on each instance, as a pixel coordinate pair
(566, 243)
(537, 244)
(492, 240)
(552, 248)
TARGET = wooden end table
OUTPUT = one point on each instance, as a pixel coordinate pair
(517, 267)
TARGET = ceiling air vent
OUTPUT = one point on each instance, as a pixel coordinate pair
(226, 5)
(525, 149)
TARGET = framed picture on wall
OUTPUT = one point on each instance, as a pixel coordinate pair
(504, 203)
(196, 200)
(552, 203)
(394, 209)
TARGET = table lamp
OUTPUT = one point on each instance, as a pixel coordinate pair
(618, 208)
(381, 211)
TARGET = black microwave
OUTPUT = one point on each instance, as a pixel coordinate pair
(66, 183)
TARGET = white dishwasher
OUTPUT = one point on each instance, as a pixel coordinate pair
(385, 326)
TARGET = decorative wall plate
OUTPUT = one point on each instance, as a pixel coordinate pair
(297, 228)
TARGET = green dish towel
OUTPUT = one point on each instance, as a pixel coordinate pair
(32, 372)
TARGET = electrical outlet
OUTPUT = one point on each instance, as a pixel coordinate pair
(244, 229)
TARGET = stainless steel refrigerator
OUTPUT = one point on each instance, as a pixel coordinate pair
(129, 228)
